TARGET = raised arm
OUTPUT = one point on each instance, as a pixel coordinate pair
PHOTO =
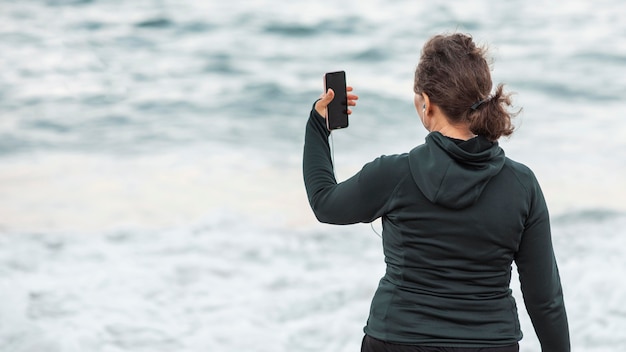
(361, 198)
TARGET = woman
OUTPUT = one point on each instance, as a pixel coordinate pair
(456, 213)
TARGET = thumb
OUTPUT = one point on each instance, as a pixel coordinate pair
(322, 103)
(327, 97)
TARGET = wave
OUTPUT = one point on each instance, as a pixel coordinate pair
(588, 216)
(155, 23)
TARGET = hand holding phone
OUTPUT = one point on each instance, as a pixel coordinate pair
(334, 105)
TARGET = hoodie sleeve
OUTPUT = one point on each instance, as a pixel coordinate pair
(361, 198)
(539, 277)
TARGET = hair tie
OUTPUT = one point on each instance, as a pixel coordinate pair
(477, 104)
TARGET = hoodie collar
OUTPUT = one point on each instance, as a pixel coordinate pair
(453, 173)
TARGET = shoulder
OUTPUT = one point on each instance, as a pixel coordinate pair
(390, 162)
(516, 166)
(391, 168)
(522, 173)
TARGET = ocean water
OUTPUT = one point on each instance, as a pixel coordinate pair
(151, 196)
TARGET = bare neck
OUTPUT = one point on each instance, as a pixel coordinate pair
(443, 126)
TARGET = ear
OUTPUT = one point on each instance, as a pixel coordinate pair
(427, 107)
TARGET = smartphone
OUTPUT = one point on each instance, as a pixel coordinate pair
(337, 110)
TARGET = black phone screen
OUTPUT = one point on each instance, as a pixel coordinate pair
(337, 113)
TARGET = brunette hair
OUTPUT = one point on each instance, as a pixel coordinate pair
(456, 76)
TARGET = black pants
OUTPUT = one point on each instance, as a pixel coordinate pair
(371, 344)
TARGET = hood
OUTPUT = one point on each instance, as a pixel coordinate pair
(454, 175)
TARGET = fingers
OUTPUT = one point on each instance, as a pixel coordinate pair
(329, 95)
(351, 97)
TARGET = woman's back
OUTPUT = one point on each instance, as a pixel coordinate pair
(449, 267)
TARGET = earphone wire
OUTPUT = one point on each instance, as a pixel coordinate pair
(373, 229)
(332, 151)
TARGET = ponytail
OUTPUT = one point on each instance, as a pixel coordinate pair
(490, 117)
(455, 74)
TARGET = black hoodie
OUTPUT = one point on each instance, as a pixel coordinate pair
(455, 215)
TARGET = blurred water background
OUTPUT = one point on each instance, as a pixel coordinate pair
(151, 196)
